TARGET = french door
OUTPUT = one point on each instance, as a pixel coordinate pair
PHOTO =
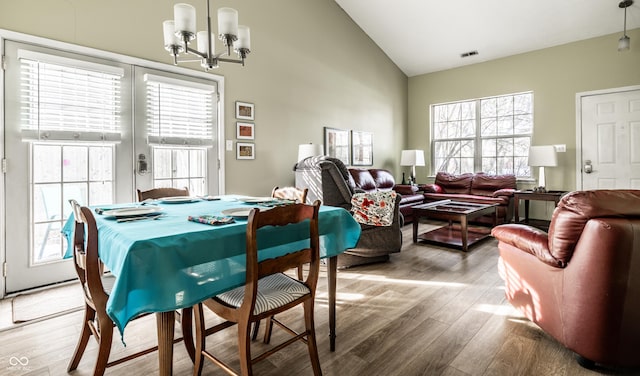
(73, 124)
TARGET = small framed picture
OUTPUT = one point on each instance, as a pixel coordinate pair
(336, 144)
(244, 111)
(361, 148)
(245, 131)
(245, 150)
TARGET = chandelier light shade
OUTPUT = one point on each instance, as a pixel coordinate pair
(542, 156)
(412, 158)
(624, 43)
(181, 31)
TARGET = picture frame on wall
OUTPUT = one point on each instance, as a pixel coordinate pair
(361, 148)
(245, 150)
(245, 111)
(337, 144)
(245, 131)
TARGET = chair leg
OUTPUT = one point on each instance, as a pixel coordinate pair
(254, 333)
(267, 329)
(104, 347)
(300, 273)
(200, 339)
(186, 323)
(311, 337)
(244, 348)
(89, 314)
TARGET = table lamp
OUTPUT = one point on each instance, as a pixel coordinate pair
(542, 156)
(412, 158)
(309, 150)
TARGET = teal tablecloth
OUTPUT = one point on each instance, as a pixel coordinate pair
(171, 263)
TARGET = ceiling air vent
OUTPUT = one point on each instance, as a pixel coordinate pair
(470, 53)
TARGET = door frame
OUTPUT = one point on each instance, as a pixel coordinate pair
(50, 43)
(579, 97)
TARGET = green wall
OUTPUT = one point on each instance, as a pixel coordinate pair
(555, 75)
(310, 67)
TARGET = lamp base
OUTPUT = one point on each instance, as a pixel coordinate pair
(541, 179)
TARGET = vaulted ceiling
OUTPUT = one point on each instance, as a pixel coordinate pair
(423, 36)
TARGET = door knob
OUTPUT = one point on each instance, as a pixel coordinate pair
(588, 167)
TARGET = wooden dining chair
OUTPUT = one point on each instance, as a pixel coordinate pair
(290, 193)
(162, 192)
(96, 286)
(267, 291)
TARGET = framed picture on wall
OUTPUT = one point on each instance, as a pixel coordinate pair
(245, 131)
(336, 144)
(244, 111)
(361, 148)
(245, 150)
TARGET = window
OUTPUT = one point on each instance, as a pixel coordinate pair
(180, 117)
(65, 99)
(180, 167)
(492, 135)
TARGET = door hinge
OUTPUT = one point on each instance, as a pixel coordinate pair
(218, 97)
(4, 62)
(4, 165)
(4, 269)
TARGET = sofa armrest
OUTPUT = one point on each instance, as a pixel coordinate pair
(527, 239)
(405, 189)
(507, 192)
(431, 188)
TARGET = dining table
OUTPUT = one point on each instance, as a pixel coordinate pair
(164, 259)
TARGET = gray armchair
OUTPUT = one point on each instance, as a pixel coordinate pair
(329, 181)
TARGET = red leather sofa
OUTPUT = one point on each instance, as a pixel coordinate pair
(478, 188)
(580, 282)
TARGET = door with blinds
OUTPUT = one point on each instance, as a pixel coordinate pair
(68, 135)
(176, 135)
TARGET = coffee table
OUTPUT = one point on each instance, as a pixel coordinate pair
(452, 211)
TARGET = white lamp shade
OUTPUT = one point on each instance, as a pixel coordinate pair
(624, 43)
(544, 156)
(168, 29)
(244, 38)
(309, 150)
(227, 21)
(412, 158)
(184, 16)
(202, 42)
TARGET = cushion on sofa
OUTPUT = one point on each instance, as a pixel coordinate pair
(486, 185)
(383, 178)
(454, 183)
(363, 179)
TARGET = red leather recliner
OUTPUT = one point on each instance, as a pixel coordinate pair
(580, 282)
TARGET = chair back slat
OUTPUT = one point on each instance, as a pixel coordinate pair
(162, 192)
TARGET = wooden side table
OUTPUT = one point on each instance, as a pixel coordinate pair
(527, 196)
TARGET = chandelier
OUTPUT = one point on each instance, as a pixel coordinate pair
(624, 42)
(180, 31)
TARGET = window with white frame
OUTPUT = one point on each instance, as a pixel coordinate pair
(180, 116)
(70, 115)
(492, 135)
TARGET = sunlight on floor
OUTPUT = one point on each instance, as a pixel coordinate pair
(383, 279)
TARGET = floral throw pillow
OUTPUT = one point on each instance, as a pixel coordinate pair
(374, 209)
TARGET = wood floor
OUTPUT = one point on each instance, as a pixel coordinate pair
(429, 311)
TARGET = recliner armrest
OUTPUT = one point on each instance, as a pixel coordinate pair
(527, 239)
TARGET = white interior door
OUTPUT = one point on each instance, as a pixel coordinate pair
(609, 140)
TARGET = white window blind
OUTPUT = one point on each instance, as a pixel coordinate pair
(179, 112)
(67, 99)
